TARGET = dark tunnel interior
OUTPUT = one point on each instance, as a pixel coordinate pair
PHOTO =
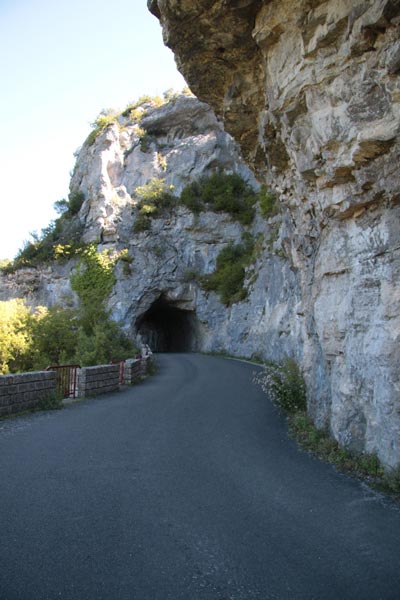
(167, 328)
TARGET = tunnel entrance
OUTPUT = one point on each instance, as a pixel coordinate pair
(167, 328)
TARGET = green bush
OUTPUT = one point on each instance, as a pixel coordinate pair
(51, 402)
(145, 142)
(268, 203)
(391, 481)
(93, 281)
(154, 198)
(60, 240)
(103, 343)
(15, 336)
(191, 197)
(228, 278)
(133, 106)
(191, 275)
(221, 192)
(70, 208)
(39, 249)
(75, 201)
(105, 118)
(284, 384)
(99, 338)
(54, 336)
(126, 259)
(230, 194)
(142, 223)
(6, 265)
(170, 95)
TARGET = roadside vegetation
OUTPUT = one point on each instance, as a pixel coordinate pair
(284, 384)
(31, 340)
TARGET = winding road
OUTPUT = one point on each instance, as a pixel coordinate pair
(185, 487)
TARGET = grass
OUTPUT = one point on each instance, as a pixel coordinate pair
(322, 444)
(53, 401)
(361, 465)
(152, 367)
(254, 358)
(284, 384)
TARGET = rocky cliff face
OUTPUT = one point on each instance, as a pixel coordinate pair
(310, 90)
(157, 294)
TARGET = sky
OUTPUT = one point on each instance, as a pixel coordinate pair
(61, 63)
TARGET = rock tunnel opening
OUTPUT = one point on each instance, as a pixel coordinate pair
(167, 328)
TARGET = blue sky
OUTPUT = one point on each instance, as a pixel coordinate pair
(61, 63)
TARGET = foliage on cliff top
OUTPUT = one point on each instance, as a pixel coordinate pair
(228, 278)
(106, 117)
(221, 192)
(138, 108)
(61, 239)
(134, 111)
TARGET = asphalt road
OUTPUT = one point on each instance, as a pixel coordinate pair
(185, 487)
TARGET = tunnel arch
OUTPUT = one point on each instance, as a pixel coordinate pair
(166, 327)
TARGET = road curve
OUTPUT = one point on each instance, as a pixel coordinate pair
(185, 487)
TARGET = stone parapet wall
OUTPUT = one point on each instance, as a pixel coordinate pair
(136, 369)
(24, 391)
(132, 371)
(145, 363)
(100, 379)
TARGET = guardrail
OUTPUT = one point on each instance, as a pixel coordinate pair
(25, 391)
(67, 379)
(121, 364)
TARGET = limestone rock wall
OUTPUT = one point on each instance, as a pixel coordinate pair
(185, 141)
(44, 285)
(310, 90)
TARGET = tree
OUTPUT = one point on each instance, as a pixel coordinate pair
(54, 336)
(15, 336)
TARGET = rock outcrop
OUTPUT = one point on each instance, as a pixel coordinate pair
(157, 294)
(310, 89)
